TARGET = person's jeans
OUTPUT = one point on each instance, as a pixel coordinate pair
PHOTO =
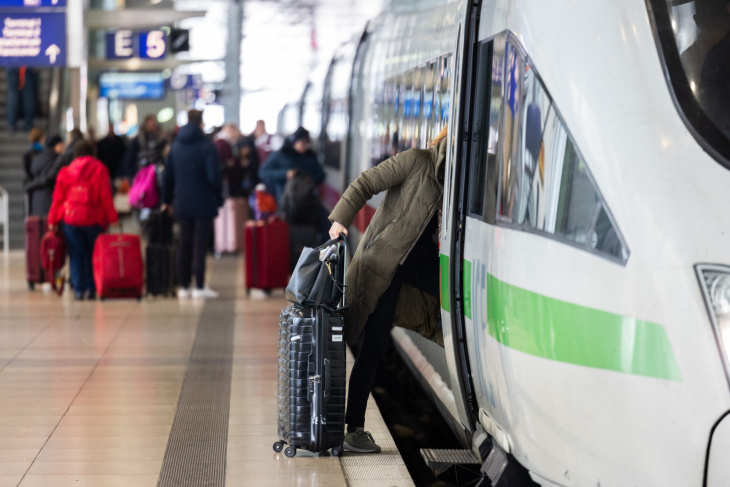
(194, 235)
(421, 270)
(80, 243)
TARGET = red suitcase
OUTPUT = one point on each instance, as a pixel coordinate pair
(118, 268)
(35, 228)
(267, 254)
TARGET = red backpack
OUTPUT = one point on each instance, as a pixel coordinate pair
(53, 258)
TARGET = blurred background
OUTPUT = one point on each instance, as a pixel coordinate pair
(108, 67)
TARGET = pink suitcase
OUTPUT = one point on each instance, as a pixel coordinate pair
(229, 225)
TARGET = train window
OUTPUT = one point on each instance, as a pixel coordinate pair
(478, 163)
(578, 202)
(694, 44)
(427, 124)
(525, 160)
(445, 88)
(511, 178)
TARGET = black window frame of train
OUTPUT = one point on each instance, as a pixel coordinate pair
(699, 124)
(490, 185)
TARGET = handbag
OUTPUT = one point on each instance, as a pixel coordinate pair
(53, 258)
(319, 276)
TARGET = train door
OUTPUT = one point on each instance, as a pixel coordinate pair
(479, 183)
(451, 236)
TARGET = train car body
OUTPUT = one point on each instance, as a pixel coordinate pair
(584, 252)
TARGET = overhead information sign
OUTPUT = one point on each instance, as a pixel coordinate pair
(33, 39)
(126, 44)
(32, 3)
(132, 85)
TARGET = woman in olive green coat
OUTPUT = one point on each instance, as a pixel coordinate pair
(393, 276)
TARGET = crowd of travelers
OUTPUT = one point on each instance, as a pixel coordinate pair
(210, 184)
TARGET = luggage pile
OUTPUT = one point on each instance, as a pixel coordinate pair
(312, 370)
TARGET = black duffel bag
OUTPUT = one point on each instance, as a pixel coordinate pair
(319, 276)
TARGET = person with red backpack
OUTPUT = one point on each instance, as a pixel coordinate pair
(82, 201)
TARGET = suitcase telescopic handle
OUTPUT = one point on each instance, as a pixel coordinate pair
(346, 244)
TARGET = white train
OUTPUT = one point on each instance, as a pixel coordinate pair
(585, 267)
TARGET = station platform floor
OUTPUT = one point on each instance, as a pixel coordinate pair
(158, 392)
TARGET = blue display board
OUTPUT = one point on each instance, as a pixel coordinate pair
(132, 85)
(33, 39)
(32, 3)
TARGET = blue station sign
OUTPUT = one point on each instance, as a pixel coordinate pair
(32, 39)
(127, 44)
(132, 85)
(32, 3)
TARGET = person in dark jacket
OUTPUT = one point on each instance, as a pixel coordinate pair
(36, 138)
(110, 150)
(192, 190)
(145, 148)
(65, 159)
(249, 158)
(40, 187)
(295, 155)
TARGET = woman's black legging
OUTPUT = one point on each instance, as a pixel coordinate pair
(421, 270)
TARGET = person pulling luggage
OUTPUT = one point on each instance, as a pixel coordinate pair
(393, 277)
(82, 201)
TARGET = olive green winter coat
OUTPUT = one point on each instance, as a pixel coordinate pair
(414, 194)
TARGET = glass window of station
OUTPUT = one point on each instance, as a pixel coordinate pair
(694, 43)
(526, 171)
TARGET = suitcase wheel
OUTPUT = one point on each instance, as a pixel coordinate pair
(31, 285)
(337, 451)
(290, 451)
(278, 446)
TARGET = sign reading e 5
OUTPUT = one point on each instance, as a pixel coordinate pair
(126, 44)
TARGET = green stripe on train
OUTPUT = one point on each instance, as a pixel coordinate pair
(467, 289)
(445, 295)
(557, 330)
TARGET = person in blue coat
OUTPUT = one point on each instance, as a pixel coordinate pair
(295, 155)
(192, 191)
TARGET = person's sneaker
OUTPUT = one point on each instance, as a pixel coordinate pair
(79, 296)
(183, 293)
(91, 295)
(205, 293)
(361, 441)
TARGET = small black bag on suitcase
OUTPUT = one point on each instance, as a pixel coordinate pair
(160, 255)
(312, 366)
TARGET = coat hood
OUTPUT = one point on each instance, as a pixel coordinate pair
(438, 152)
(190, 134)
(84, 168)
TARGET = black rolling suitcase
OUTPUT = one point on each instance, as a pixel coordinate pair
(312, 361)
(160, 255)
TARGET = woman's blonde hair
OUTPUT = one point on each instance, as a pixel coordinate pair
(442, 135)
